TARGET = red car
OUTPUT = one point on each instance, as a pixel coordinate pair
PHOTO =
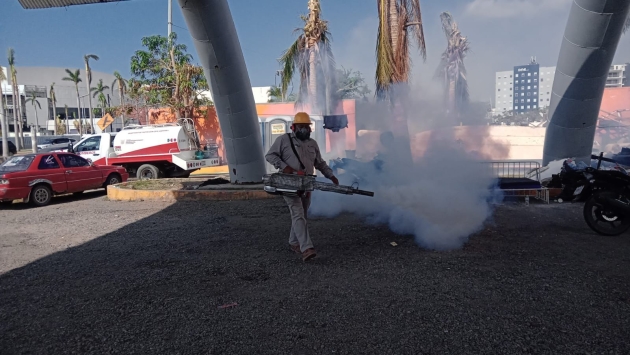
(35, 178)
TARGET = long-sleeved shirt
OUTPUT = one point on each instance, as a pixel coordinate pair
(280, 155)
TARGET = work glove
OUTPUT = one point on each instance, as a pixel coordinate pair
(334, 180)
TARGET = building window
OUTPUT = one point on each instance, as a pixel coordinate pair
(547, 92)
(535, 106)
(535, 86)
(522, 100)
(535, 80)
(529, 87)
(527, 100)
(510, 95)
(510, 89)
(529, 94)
(516, 76)
(535, 100)
(541, 80)
(535, 73)
(522, 87)
(499, 89)
(529, 80)
(529, 74)
(510, 76)
(522, 107)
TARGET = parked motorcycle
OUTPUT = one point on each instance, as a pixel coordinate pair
(607, 193)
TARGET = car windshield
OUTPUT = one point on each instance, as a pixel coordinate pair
(48, 141)
(17, 163)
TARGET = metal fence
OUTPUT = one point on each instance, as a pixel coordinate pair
(515, 169)
(520, 169)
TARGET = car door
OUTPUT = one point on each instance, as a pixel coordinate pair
(90, 148)
(80, 175)
(51, 170)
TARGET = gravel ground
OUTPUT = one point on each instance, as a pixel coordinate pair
(150, 278)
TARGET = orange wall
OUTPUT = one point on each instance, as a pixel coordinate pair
(208, 125)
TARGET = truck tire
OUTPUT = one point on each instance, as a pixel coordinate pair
(147, 172)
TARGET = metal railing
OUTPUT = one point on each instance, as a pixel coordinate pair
(520, 169)
(514, 169)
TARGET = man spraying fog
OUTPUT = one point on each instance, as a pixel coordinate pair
(297, 153)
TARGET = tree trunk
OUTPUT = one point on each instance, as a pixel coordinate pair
(55, 115)
(88, 82)
(312, 80)
(20, 115)
(122, 112)
(393, 25)
(451, 97)
(67, 123)
(79, 110)
(36, 120)
(5, 127)
(16, 129)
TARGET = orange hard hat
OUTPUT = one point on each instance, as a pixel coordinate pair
(302, 118)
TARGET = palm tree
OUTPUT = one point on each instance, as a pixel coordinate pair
(99, 91)
(312, 54)
(36, 105)
(275, 94)
(452, 70)
(16, 100)
(400, 23)
(88, 83)
(53, 99)
(76, 79)
(122, 90)
(5, 120)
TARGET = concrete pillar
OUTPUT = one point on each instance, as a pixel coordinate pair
(587, 51)
(219, 52)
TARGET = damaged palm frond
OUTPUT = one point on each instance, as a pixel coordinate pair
(452, 70)
(400, 24)
(311, 57)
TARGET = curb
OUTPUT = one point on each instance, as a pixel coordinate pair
(115, 193)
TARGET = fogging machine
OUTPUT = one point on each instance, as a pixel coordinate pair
(292, 184)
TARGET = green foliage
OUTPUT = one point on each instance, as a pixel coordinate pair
(99, 91)
(163, 75)
(351, 84)
(275, 95)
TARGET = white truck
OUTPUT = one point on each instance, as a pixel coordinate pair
(148, 152)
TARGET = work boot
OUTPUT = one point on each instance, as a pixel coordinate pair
(308, 254)
(295, 248)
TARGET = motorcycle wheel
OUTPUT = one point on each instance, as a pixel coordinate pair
(603, 220)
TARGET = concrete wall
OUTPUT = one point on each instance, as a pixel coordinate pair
(487, 142)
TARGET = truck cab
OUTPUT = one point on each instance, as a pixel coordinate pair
(96, 146)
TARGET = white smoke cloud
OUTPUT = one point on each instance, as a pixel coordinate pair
(514, 8)
(440, 200)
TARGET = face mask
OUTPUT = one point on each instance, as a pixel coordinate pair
(303, 134)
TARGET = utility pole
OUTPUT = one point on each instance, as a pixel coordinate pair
(170, 18)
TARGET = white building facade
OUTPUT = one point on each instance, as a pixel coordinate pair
(531, 90)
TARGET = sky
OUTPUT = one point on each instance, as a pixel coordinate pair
(502, 33)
